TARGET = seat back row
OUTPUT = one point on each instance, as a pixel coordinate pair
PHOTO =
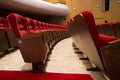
(7, 37)
(112, 29)
(35, 39)
(102, 50)
(29, 26)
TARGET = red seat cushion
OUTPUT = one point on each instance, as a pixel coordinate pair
(99, 40)
(105, 39)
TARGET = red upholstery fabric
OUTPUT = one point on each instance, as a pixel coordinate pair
(112, 25)
(36, 25)
(3, 23)
(6, 24)
(33, 25)
(98, 40)
(92, 27)
(18, 24)
(64, 27)
(29, 23)
(17, 75)
(24, 25)
(109, 29)
(100, 29)
(40, 27)
(116, 28)
(106, 38)
(43, 26)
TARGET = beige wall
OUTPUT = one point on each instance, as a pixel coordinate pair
(94, 6)
(57, 1)
(114, 14)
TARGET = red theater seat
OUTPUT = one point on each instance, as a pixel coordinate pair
(109, 29)
(31, 24)
(117, 29)
(100, 49)
(37, 26)
(35, 39)
(18, 25)
(42, 26)
(11, 40)
(106, 39)
(30, 43)
(89, 19)
(2, 23)
(3, 39)
(100, 29)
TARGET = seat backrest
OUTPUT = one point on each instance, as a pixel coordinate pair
(108, 29)
(36, 25)
(29, 23)
(39, 25)
(17, 23)
(73, 30)
(90, 24)
(100, 29)
(42, 25)
(2, 23)
(89, 37)
(85, 27)
(117, 29)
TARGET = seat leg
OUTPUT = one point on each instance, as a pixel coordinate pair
(85, 58)
(36, 68)
(93, 69)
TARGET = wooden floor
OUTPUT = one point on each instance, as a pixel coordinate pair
(62, 59)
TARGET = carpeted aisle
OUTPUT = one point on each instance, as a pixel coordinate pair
(18, 75)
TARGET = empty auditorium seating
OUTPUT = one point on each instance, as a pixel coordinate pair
(7, 38)
(117, 29)
(17, 20)
(102, 50)
(100, 29)
(10, 36)
(35, 39)
(108, 29)
(3, 40)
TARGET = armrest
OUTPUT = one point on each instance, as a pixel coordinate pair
(115, 43)
(34, 35)
(111, 58)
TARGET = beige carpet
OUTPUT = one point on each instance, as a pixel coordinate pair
(63, 59)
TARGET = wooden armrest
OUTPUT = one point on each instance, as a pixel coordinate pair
(34, 35)
(111, 59)
(115, 43)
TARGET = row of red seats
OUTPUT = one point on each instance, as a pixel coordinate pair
(7, 38)
(102, 50)
(3, 23)
(28, 26)
(112, 29)
(35, 38)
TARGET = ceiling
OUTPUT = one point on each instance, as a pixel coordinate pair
(36, 6)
